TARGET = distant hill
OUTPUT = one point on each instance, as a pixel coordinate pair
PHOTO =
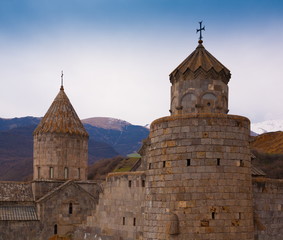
(268, 150)
(106, 141)
(124, 137)
(16, 146)
(271, 143)
(10, 123)
(109, 138)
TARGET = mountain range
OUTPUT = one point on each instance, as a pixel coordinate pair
(108, 137)
(267, 126)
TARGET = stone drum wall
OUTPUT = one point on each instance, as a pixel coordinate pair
(66, 154)
(199, 178)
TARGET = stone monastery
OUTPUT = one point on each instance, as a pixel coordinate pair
(194, 180)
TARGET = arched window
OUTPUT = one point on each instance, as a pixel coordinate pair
(208, 99)
(70, 208)
(188, 102)
(55, 229)
(51, 172)
(38, 172)
(79, 173)
(66, 173)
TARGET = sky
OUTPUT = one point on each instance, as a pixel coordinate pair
(117, 54)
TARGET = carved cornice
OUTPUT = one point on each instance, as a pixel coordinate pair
(200, 73)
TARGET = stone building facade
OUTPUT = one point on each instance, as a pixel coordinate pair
(195, 179)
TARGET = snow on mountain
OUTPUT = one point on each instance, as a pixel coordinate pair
(267, 126)
(106, 122)
(147, 126)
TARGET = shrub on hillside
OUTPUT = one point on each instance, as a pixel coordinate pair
(100, 169)
(271, 164)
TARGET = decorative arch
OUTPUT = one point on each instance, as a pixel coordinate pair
(188, 100)
(208, 99)
(209, 96)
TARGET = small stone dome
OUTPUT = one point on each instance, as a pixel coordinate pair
(200, 60)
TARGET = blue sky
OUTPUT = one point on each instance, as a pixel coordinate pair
(117, 54)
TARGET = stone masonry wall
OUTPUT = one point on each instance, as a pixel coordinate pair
(24, 230)
(119, 213)
(268, 207)
(60, 151)
(199, 179)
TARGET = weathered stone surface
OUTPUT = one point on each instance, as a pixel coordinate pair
(268, 208)
(205, 177)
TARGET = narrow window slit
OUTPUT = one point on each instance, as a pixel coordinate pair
(70, 208)
(55, 229)
(218, 161)
(51, 172)
(188, 162)
(66, 173)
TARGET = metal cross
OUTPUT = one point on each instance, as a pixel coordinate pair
(200, 29)
(62, 78)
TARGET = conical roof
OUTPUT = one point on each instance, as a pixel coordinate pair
(202, 60)
(61, 118)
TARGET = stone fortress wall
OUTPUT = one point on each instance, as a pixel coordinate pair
(120, 210)
(268, 208)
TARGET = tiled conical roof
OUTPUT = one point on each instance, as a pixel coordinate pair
(202, 59)
(61, 118)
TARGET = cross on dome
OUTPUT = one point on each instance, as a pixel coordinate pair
(199, 30)
(62, 75)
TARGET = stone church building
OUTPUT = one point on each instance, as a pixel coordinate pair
(194, 181)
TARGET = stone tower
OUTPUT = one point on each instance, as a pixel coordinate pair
(60, 143)
(198, 159)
